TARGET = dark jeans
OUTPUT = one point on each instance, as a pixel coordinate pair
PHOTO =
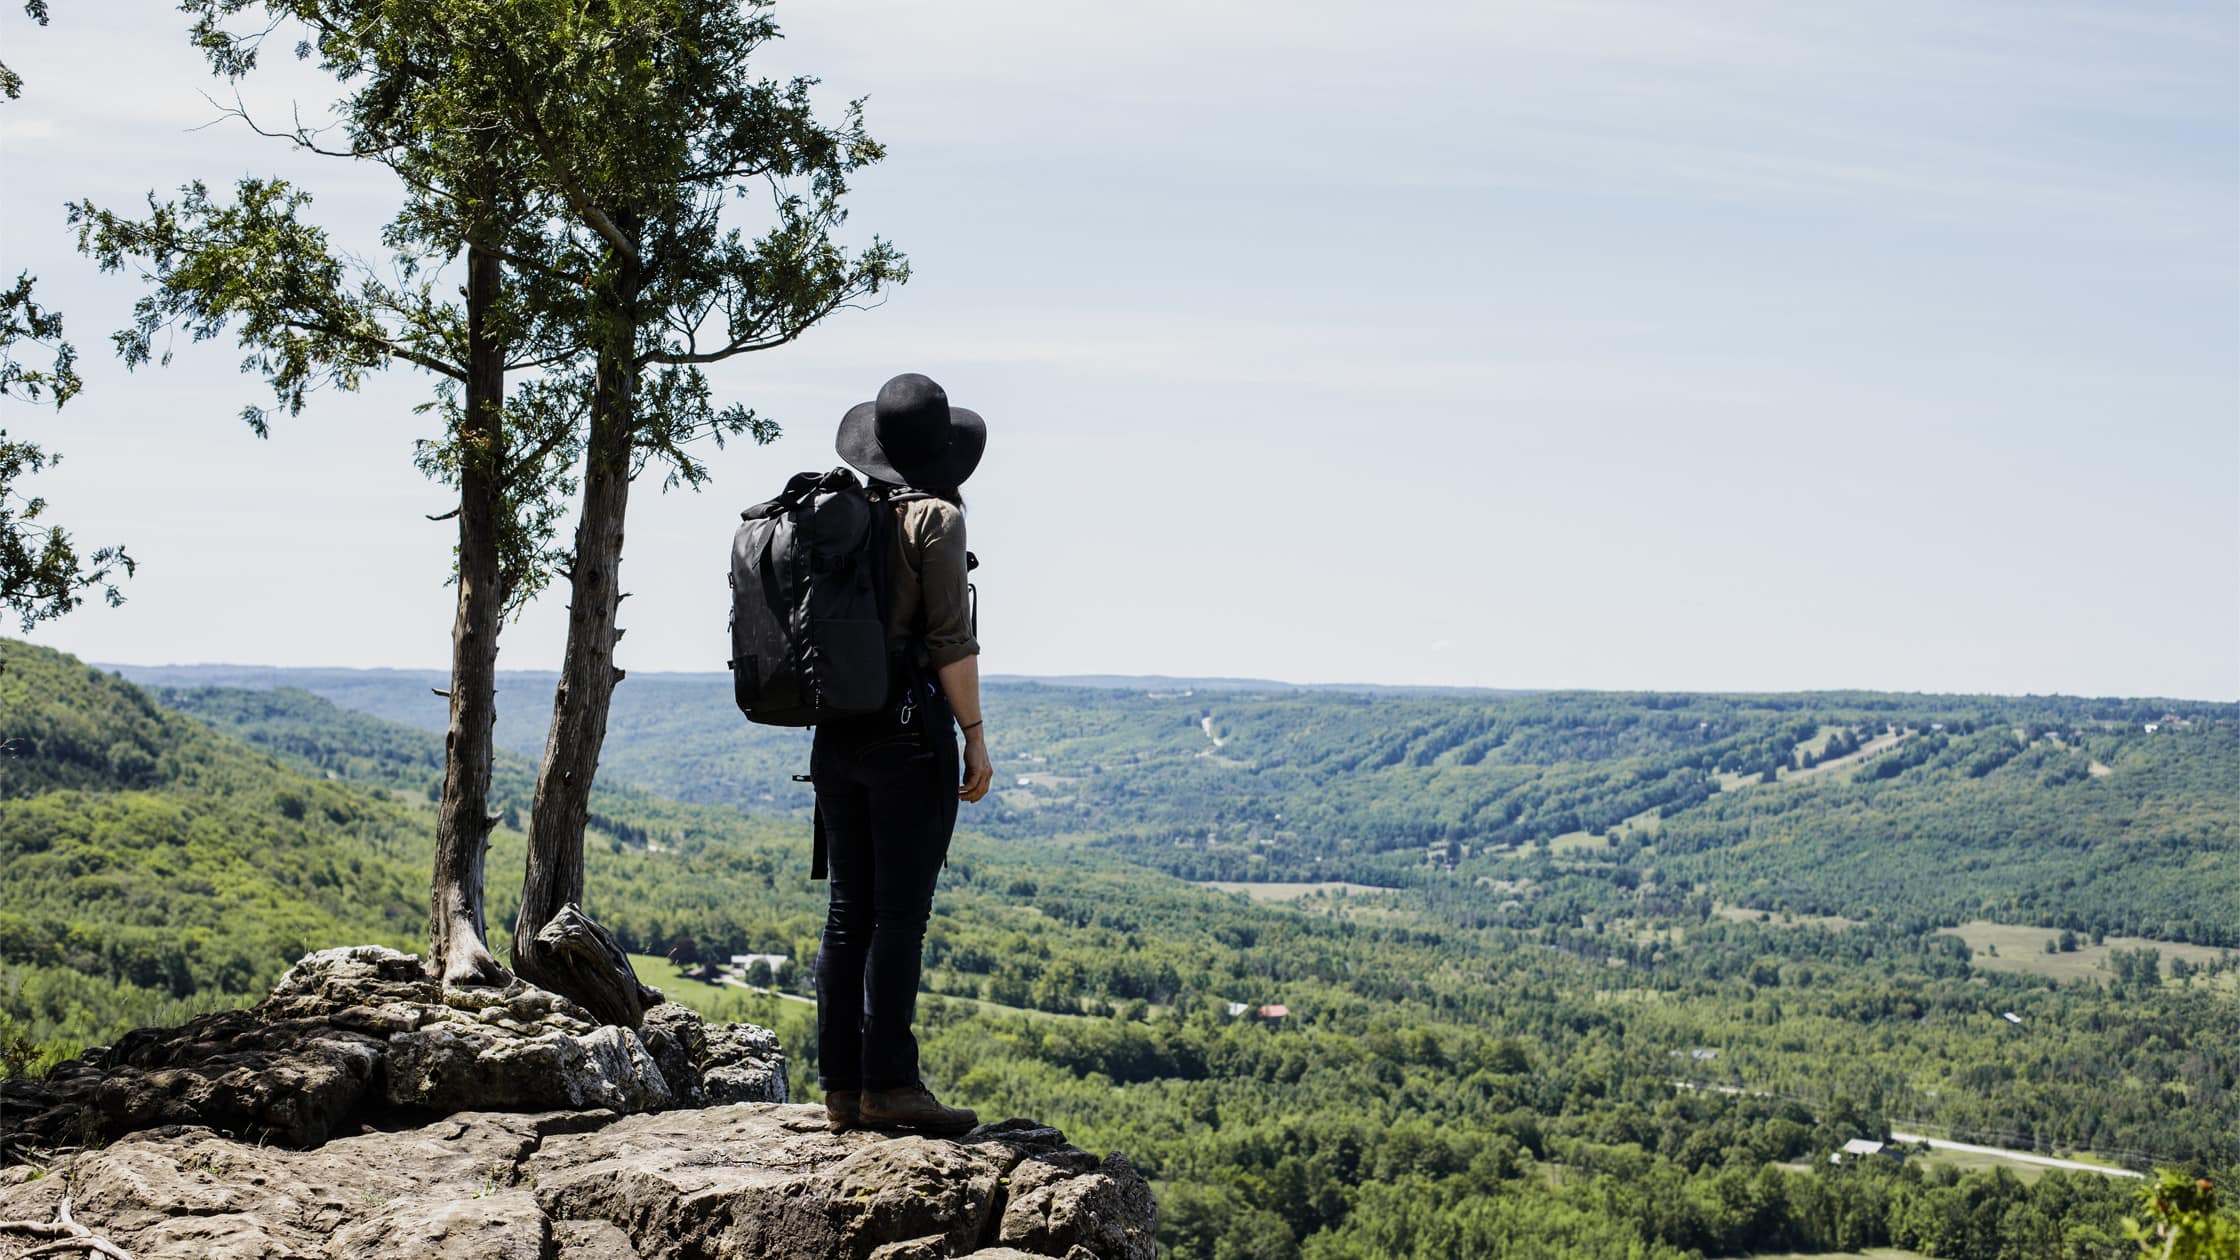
(887, 792)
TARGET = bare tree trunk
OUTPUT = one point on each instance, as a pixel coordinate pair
(457, 952)
(555, 945)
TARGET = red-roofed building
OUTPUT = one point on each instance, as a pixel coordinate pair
(1273, 1012)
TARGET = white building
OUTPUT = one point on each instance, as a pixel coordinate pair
(1859, 1148)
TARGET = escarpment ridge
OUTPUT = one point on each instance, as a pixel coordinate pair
(362, 1111)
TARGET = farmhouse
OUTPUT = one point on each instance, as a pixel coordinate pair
(1861, 1148)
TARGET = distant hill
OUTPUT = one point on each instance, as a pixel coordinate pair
(1166, 682)
(1953, 808)
(165, 857)
(1511, 925)
(152, 864)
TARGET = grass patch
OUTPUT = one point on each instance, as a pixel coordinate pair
(2024, 1170)
(1731, 781)
(724, 1003)
(2022, 951)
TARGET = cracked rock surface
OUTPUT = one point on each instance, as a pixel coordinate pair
(744, 1180)
(349, 1033)
(361, 1111)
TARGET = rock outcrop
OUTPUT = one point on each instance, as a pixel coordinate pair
(745, 1181)
(360, 1111)
(354, 1031)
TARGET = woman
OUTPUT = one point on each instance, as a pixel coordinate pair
(888, 782)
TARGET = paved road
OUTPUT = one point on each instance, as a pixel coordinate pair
(1966, 1148)
(2026, 1157)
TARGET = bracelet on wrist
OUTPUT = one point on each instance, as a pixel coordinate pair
(967, 728)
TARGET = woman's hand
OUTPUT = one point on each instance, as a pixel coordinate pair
(960, 685)
(978, 771)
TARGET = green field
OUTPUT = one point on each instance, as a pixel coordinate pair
(1966, 1160)
(2021, 950)
(1576, 842)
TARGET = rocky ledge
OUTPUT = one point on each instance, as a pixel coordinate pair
(361, 1112)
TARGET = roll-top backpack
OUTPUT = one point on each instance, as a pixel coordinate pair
(808, 602)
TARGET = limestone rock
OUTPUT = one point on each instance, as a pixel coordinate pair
(745, 1180)
(485, 1225)
(710, 1064)
(766, 1181)
(306, 1128)
(743, 1063)
(1057, 1205)
(451, 1065)
(348, 1032)
(593, 1240)
(289, 1081)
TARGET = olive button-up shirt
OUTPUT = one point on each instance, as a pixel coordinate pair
(927, 596)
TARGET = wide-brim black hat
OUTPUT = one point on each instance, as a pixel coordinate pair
(909, 435)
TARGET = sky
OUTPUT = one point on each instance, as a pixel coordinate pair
(1606, 343)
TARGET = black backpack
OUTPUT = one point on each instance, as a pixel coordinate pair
(808, 602)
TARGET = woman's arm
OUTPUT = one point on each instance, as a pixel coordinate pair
(960, 682)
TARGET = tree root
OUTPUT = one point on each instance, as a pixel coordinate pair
(470, 964)
(69, 1235)
(572, 955)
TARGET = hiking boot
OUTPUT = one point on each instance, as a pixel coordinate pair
(842, 1109)
(914, 1107)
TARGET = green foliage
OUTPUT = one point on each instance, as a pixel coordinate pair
(155, 868)
(1313, 786)
(22, 319)
(641, 128)
(64, 725)
(42, 576)
(11, 83)
(1453, 1079)
(307, 316)
(2183, 1221)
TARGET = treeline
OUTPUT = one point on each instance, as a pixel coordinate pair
(1466, 1068)
(1989, 807)
(1962, 826)
(1655, 1211)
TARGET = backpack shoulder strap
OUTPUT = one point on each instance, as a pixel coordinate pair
(798, 489)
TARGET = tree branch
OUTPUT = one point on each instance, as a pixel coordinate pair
(390, 348)
(749, 344)
(565, 176)
(525, 263)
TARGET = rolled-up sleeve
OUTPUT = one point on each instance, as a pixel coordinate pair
(941, 579)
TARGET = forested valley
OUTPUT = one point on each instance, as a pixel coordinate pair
(1399, 974)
